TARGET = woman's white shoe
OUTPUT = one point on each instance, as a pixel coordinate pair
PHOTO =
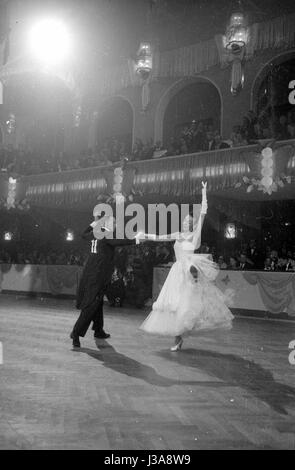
(177, 346)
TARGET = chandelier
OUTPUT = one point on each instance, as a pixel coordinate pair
(144, 60)
(235, 42)
(236, 36)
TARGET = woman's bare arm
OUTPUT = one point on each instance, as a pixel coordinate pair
(197, 229)
(157, 238)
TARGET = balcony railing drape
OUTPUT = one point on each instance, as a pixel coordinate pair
(178, 176)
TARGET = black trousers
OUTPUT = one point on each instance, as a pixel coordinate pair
(93, 312)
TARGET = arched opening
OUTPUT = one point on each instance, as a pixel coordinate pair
(270, 94)
(42, 104)
(196, 99)
(115, 123)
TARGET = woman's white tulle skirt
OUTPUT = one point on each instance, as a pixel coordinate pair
(185, 304)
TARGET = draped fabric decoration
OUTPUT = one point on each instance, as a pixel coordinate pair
(277, 294)
(59, 277)
(171, 176)
(43, 279)
(65, 188)
(278, 33)
(177, 176)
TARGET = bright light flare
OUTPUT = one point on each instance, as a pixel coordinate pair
(49, 41)
(8, 236)
(69, 236)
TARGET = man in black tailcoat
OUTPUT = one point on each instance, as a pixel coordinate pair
(96, 278)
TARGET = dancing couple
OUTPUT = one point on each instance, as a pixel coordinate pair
(189, 299)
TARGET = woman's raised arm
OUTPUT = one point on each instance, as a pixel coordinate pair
(197, 229)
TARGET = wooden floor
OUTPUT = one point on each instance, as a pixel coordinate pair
(233, 390)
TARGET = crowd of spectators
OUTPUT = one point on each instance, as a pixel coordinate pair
(198, 136)
(133, 274)
(42, 257)
(250, 257)
(258, 127)
(25, 161)
(245, 258)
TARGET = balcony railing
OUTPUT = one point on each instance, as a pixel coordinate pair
(170, 176)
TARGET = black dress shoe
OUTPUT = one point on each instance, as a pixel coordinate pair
(101, 335)
(76, 340)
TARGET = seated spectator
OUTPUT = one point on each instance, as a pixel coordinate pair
(218, 142)
(116, 290)
(123, 150)
(163, 255)
(183, 148)
(187, 135)
(281, 264)
(115, 150)
(274, 259)
(173, 147)
(245, 263)
(210, 144)
(61, 259)
(105, 155)
(253, 254)
(233, 263)
(137, 150)
(291, 124)
(266, 132)
(281, 128)
(290, 264)
(204, 248)
(90, 158)
(236, 137)
(147, 151)
(248, 127)
(199, 143)
(221, 263)
(158, 150)
(83, 159)
(268, 265)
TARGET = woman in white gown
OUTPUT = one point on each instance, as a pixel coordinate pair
(189, 299)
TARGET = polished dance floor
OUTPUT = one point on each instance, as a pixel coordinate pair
(224, 390)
